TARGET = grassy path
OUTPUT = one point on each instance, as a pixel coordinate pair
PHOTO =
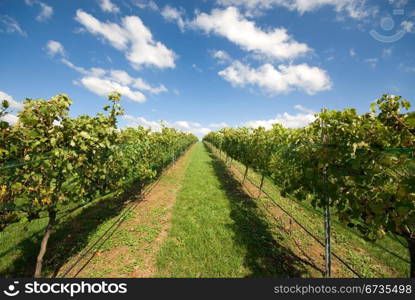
(218, 231)
(198, 221)
(131, 251)
(385, 258)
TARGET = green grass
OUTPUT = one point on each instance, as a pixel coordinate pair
(218, 231)
(20, 242)
(387, 257)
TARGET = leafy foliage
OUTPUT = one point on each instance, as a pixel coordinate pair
(364, 164)
(49, 160)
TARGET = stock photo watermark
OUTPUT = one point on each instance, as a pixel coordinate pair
(391, 29)
(70, 289)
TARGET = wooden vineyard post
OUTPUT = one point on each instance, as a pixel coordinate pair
(246, 173)
(327, 232)
(260, 186)
(327, 221)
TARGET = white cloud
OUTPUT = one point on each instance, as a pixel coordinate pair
(108, 6)
(218, 125)
(142, 85)
(54, 47)
(112, 32)
(282, 79)
(10, 118)
(408, 26)
(46, 12)
(194, 66)
(140, 121)
(124, 78)
(285, 119)
(102, 82)
(222, 56)
(356, 9)
(185, 126)
(200, 131)
(133, 38)
(10, 25)
(191, 127)
(72, 66)
(304, 109)
(12, 103)
(273, 43)
(172, 14)
(352, 52)
(121, 76)
(143, 4)
(103, 87)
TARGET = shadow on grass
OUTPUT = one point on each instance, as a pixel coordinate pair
(354, 232)
(265, 256)
(356, 235)
(70, 237)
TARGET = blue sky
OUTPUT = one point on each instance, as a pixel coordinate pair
(201, 65)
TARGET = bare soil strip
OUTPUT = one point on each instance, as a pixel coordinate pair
(131, 251)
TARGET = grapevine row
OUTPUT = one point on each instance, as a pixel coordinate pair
(50, 161)
(360, 165)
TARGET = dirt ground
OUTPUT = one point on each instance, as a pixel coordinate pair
(131, 251)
